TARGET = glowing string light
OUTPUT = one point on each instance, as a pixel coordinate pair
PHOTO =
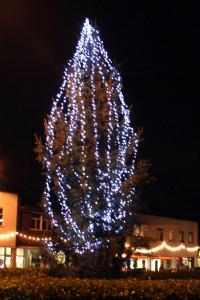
(158, 248)
(90, 84)
(164, 245)
(13, 234)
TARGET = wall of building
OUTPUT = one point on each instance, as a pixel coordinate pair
(170, 226)
(167, 250)
(33, 227)
(9, 203)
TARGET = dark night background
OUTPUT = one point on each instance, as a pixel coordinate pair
(156, 48)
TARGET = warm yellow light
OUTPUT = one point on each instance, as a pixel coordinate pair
(173, 249)
(6, 236)
(142, 250)
(25, 236)
(192, 249)
(127, 245)
(164, 245)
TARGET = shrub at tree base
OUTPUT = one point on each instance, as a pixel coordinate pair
(38, 286)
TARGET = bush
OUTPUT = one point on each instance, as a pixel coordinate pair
(60, 271)
(165, 274)
(22, 284)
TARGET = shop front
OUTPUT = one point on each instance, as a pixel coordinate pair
(5, 257)
(19, 257)
(27, 258)
(156, 263)
(145, 263)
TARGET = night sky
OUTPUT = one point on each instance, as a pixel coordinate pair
(156, 49)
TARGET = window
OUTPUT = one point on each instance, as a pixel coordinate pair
(140, 230)
(171, 235)
(1, 216)
(35, 222)
(168, 263)
(181, 236)
(20, 258)
(5, 257)
(144, 263)
(190, 237)
(46, 224)
(40, 222)
(144, 229)
(137, 230)
(159, 234)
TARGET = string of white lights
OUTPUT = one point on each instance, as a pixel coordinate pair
(89, 100)
(164, 245)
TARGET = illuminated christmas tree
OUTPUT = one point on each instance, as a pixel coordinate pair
(90, 148)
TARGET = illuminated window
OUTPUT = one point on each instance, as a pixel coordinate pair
(40, 222)
(143, 263)
(190, 237)
(20, 258)
(140, 230)
(5, 257)
(159, 234)
(171, 235)
(181, 236)
(1, 216)
(20, 252)
(137, 230)
(198, 253)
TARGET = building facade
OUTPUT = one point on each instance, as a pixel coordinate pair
(163, 243)
(23, 231)
(157, 242)
(8, 226)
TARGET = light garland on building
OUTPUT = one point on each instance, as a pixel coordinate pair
(33, 238)
(164, 245)
(10, 235)
(5, 236)
(90, 72)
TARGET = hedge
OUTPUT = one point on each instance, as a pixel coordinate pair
(35, 285)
